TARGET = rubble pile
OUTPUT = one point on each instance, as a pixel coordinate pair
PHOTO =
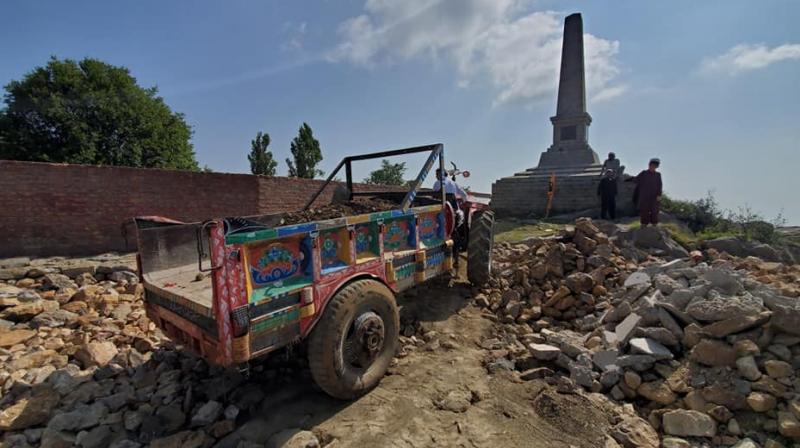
(705, 351)
(566, 278)
(81, 365)
(358, 206)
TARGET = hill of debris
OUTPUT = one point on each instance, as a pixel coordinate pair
(706, 347)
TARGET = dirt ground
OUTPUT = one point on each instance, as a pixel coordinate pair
(406, 410)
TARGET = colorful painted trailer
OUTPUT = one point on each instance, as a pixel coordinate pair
(234, 289)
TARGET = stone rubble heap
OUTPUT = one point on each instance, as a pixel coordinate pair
(707, 352)
(81, 365)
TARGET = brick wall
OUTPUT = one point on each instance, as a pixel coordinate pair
(59, 209)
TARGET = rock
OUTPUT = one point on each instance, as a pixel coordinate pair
(82, 417)
(96, 353)
(729, 244)
(58, 282)
(32, 409)
(675, 442)
(39, 359)
(778, 369)
(666, 284)
(746, 347)
(293, 438)
(53, 319)
(657, 391)
(635, 432)
(788, 425)
(632, 379)
(717, 307)
(713, 353)
(98, 437)
(456, 401)
(685, 423)
(724, 280)
(580, 282)
(544, 352)
(624, 331)
(725, 394)
(761, 402)
(720, 413)
(636, 279)
(605, 359)
(785, 317)
(581, 374)
(737, 324)
(183, 439)
(27, 311)
(646, 346)
(617, 313)
(669, 323)
(207, 414)
(14, 337)
(124, 277)
(748, 368)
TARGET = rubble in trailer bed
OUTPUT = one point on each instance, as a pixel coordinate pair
(706, 347)
(359, 206)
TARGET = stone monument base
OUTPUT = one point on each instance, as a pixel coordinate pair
(525, 194)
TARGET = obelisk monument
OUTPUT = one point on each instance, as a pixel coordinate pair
(569, 160)
(571, 123)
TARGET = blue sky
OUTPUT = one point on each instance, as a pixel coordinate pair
(709, 87)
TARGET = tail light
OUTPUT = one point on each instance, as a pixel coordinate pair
(240, 321)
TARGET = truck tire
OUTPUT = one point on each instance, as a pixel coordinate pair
(479, 249)
(352, 345)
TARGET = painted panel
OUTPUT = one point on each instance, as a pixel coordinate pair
(277, 261)
(431, 229)
(334, 249)
(399, 234)
(367, 242)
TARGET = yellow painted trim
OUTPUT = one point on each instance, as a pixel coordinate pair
(245, 268)
(307, 311)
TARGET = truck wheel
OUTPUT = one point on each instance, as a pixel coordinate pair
(355, 340)
(479, 250)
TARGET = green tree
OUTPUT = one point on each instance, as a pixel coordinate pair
(91, 112)
(388, 174)
(261, 161)
(306, 155)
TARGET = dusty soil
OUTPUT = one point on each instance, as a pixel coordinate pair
(407, 409)
(356, 207)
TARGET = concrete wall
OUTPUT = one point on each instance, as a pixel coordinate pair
(527, 196)
(59, 209)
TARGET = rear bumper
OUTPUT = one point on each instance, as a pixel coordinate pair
(184, 332)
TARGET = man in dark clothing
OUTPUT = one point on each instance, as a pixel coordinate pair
(648, 193)
(607, 190)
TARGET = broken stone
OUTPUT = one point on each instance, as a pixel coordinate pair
(685, 423)
(646, 346)
(624, 331)
(713, 353)
(544, 352)
(96, 353)
(761, 402)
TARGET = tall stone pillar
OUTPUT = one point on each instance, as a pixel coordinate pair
(571, 124)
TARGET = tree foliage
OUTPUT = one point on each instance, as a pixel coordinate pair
(388, 174)
(306, 154)
(261, 160)
(91, 112)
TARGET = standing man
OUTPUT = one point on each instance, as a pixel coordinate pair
(648, 193)
(607, 190)
(612, 163)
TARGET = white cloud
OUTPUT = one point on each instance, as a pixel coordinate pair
(295, 34)
(746, 57)
(502, 41)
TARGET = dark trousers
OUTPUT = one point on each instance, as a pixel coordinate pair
(608, 207)
(649, 216)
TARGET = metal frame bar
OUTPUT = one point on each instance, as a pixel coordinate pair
(436, 149)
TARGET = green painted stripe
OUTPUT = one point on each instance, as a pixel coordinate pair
(278, 319)
(240, 238)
